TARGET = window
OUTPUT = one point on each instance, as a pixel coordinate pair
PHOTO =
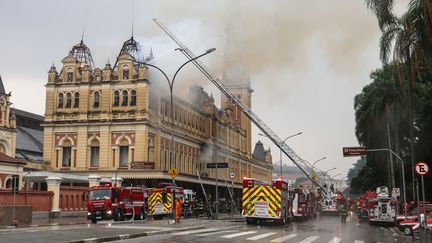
(67, 154)
(133, 98)
(124, 156)
(94, 154)
(125, 72)
(125, 98)
(116, 98)
(96, 99)
(68, 100)
(69, 76)
(76, 100)
(60, 100)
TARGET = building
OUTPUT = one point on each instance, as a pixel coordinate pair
(115, 122)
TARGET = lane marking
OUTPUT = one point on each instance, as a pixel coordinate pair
(194, 231)
(284, 238)
(358, 241)
(218, 232)
(261, 236)
(137, 227)
(335, 240)
(238, 234)
(309, 239)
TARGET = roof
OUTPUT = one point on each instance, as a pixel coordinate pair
(67, 177)
(27, 114)
(29, 144)
(9, 160)
(2, 90)
(259, 152)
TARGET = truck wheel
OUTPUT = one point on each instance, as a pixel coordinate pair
(407, 230)
(141, 216)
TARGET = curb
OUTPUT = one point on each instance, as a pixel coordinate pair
(135, 235)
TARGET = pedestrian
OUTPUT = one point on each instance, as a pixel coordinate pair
(179, 206)
(343, 213)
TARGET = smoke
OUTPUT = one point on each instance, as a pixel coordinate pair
(277, 36)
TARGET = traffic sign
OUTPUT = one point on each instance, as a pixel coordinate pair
(173, 173)
(354, 151)
(396, 192)
(217, 165)
(232, 175)
(421, 168)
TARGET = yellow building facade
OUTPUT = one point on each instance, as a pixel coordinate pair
(113, 121)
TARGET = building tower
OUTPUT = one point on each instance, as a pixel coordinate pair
(7, 124)
(237, 81)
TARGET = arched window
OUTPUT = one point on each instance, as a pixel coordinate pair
(60, 100)
(67, 154)
(125, 72)
(96, 99)
(76, 100)
(68, 100)
(124, 98)
(116, 98)
(124, 153)
(133, 98)
(94, 153)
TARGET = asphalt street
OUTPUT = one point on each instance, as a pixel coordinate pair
(321, 229)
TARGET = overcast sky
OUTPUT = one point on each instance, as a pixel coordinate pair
(307, 59)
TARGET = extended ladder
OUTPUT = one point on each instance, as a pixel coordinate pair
(254, 118)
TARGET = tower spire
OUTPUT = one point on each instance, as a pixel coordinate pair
(132, 18)
(84, 20)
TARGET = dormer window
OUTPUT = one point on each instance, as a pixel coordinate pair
(98, 78)
(69, 75)
(125, 72)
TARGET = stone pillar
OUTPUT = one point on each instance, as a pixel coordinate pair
(53, 183)
(116, 181)
(94, 180)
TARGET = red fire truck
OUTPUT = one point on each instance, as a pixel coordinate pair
(303, 204)
(160, 200)
(265, 201)
(108, 202)
(382, 208)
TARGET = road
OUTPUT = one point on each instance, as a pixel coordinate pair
(322, 229)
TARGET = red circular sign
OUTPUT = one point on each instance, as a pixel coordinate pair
(421, 168)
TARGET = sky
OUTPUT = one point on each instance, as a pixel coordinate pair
(306, 59)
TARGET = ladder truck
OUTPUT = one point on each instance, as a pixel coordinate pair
(248, 112)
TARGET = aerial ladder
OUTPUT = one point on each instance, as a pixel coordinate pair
(248, 112)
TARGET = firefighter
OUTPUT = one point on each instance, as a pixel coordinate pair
(199, 208)
(343, 212)
(179, 206)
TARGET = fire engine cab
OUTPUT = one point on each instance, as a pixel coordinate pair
(382, 208)
(303, 203)
(263, 201)
(160, 201)
(108, 202)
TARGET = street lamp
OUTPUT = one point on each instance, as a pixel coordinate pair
(171, 86)
(280, 150)
(331, 178)
(325, 172)
(402, 168)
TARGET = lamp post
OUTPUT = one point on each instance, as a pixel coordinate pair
(327, 171)
(280, 150)
(171, 86)
(402, 168)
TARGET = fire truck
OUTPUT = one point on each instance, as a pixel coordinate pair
(382, 208)
(265, 201)
(303, 203)
(160, 201)
(108, 202)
